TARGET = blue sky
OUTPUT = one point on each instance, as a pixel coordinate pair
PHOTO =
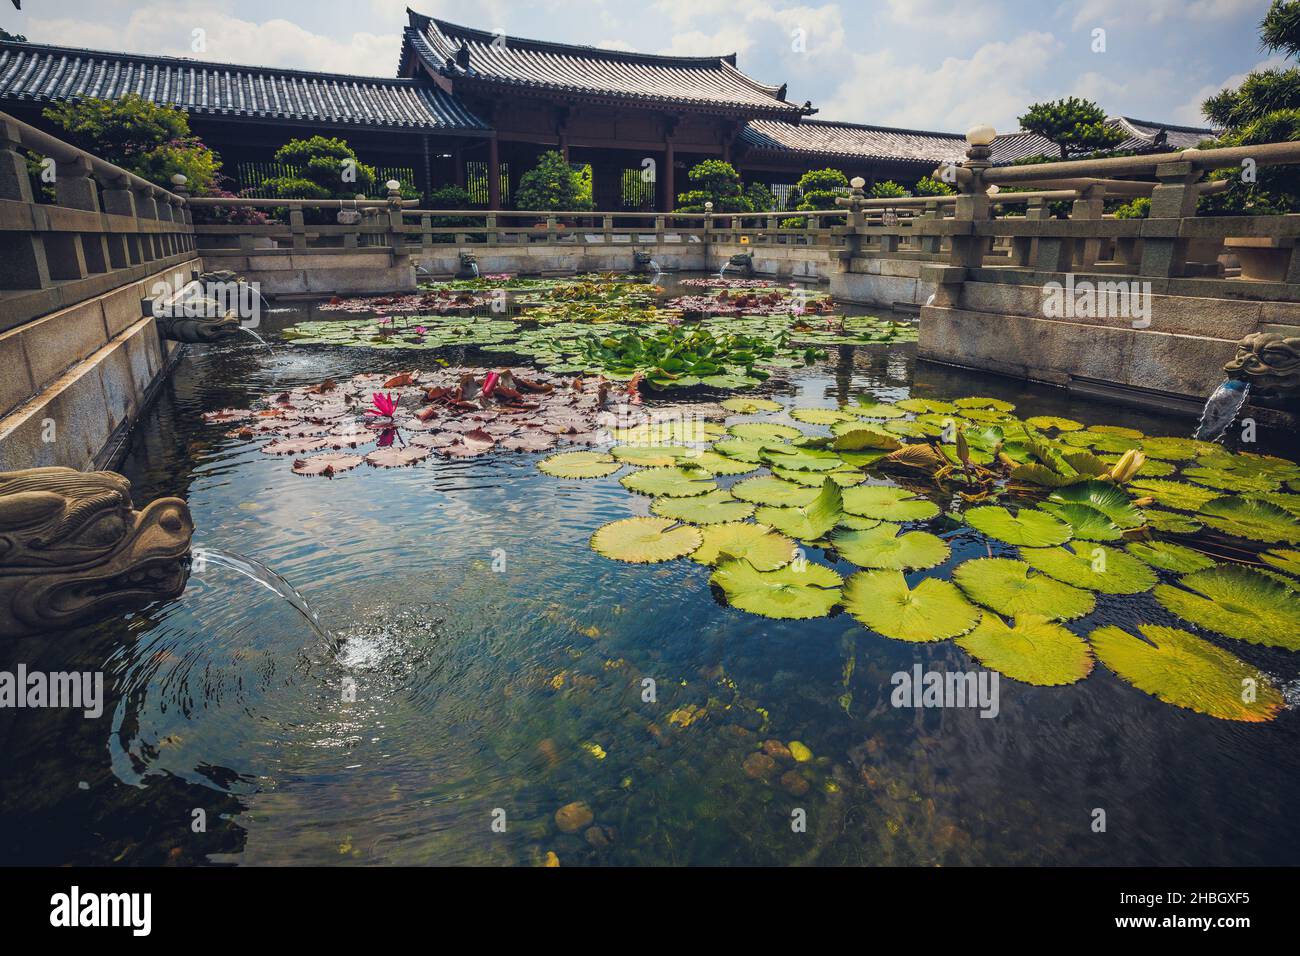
(929, 64)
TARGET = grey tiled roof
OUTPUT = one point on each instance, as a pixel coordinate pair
(37, 73)
(693, 82)
(1143, 133)
(852, 141)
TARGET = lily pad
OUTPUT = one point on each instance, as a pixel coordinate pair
(811, 521)
(1175, 449)
(1179, 495)
(923, 405)
(1168, 556)
(1085, 521)
(1093, 567)
(859, 437)
(712, 508)
(645, 540)
(1171, 522)
(1237, 602)
(650, 456)
(1035, 650)
(750, 406)
(820, 416)
(1106, 498)
(715, 464)
(764, 431)
(1032, 528)
(1251, 518)
(1283, 560)
(668, 482)
(1046, 422)
(767, 490)
(888, 503)
(1013, 588)
(1232, 481)
(1182, 669)
(758, 544)
(934, 610)
(996, 404)
(865, 408)
(845, 478)
(579, 464)
(883, 547)
(794, 592)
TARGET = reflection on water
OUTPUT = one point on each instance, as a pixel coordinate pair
(461, 685)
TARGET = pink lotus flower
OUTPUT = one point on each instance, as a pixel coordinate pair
(385, 405)
(420, 330)
(490, 384)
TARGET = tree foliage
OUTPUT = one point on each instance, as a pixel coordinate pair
(715, 181)
(1076, 125)
(553, 185)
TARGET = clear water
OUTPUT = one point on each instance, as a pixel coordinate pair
(474, 691)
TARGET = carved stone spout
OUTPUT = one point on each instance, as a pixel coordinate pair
(1269, 362)
(742, 262)
(468, 266)
(198, 328)
(73, 549)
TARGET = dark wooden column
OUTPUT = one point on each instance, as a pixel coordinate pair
(668, 197)
(494, 174)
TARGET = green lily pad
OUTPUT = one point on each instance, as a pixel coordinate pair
(794, 592)
(1237, 602)
(1171, 522)
(860, 437)
(741, 449)
(865, 408)
(579, 464)
(758, 544)
(712, 508)
(764, 431)
(1121, 430)
(668, 482)
(1231, 480)
(923, 405)
(1182, 669)
(844, 477)
(1013, 588)
(888, 503)
(796, 458)
(650, 456)
(1032, 528)
(767, 490)
(934, 610)
(1283, 560)
(1175, 449)
(1035, 651)
(716, 464)
(883, 547)
(1179, 495)
(750, 406)
(811, 521)
(645, 540)
(1251, 518)
(1085, 521)
(1045, 422)
(820, 416)
(1106, 498)
(1093, 567)
(996, 404)
(1168, 556)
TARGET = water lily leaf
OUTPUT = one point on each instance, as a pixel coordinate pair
(883, 547)
(1179, 495)
(712, 508)
(1121, 430)
(397, 457)
(1251, 518)
(645, 540)
(1093, 567)
(1187, 671)
(1232, 480)
(1283, 560)
(741, 449)
(650, 456)
(888, 503)
(844, 477)
(1013, 588)
(693, 431)
(763, 548)
(866, 408)
(860, 436)
(1106, 498)
(1172, 522)
(328, 464)
(1101, 443)
(794, 592)
(1284, 500)
(932, 611)
(1168, 556)
(767, 490)
(579, 464)
(1051, 421)
(820, 416)
(1035, 651)
(923, 405)
(668, 482)
(905, 427)
(858, 523)
(715, 464)
(1176, 449)
(1085, 521)
(810, 521)
(996, 404)
(1237, 602)
(750, 406)
(801, 459)
(1033, 528)
(764, 431)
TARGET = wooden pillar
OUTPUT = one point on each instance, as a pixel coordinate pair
(428, 168)
(494, 174)
(669, 197)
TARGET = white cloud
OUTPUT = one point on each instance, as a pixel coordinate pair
(994, 85)
(1189, 113)
(972, 19)
(1116, 12)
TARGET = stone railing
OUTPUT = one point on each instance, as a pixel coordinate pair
(106, 227)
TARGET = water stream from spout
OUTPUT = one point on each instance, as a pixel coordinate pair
(256, 571)
(1221, 409)
(266, 344)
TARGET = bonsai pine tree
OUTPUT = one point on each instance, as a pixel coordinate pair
(552, 185)
(1077, 126)
(887, 190)
(1264, 109)
(717, 182)
(929, 186)
(326, 168)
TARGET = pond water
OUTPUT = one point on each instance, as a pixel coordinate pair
(486, 691)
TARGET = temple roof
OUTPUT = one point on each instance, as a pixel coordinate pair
(36, 73)
(710, 83)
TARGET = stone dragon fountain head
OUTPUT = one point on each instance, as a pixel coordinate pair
(1269, 362)
(73, 549)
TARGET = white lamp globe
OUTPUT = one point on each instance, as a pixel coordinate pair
(857, 182)
(393, 185)
(708, 206)
(981, 134)
(179, 180)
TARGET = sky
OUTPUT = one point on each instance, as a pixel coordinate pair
(919, 64)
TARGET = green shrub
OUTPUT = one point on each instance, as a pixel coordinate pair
(929, 186)
(1139, 208)
(887, 190)
(552, 185)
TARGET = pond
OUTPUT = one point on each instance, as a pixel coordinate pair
(490, 670)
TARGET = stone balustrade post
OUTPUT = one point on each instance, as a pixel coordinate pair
(1174, 199)
(298, 228)
(23, 264)
(119, 200)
